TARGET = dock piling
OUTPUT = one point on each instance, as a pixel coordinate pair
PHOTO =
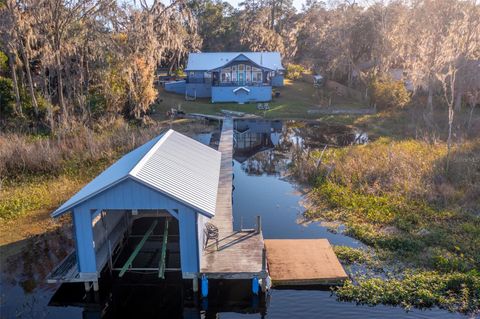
(264, 259)
(255, 286)
(204, 286)
(195, 284)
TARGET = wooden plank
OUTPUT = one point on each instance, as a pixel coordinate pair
(137, 249)
(303, 262)
(161, 267)
(239, 255)
(223, 218)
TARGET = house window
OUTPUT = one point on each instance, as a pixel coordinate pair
(192, 74)
(225, 77)
(241, 67)
(249, 76)
(255, 69)
(249, 68)
(234, 68)
(257, 76)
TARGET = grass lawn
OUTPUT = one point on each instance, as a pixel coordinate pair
(296, 98)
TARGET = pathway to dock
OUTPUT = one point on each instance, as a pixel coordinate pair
(239, 254)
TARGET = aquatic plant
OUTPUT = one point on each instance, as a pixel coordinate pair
(349, 255)
(423, 289)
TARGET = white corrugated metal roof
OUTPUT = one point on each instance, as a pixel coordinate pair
(172, 164)
(205, 61)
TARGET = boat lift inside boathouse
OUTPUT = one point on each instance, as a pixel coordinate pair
(165, 209)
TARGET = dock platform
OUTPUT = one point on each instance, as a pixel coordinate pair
(240, 253)
(303, 262)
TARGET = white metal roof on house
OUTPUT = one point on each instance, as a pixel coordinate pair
(173, 164)
(206, 61)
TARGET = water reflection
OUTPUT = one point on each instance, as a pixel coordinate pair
(265, 147)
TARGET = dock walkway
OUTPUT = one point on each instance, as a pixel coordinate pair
(239, 254)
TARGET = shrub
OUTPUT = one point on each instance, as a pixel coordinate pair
(3, 62)
(294, 71)
(180, 73)
(387, 93)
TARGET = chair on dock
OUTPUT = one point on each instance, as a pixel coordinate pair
(211, 232)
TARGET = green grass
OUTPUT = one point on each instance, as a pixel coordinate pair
(32, 193)
(296, 98)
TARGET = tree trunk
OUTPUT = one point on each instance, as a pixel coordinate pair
(272, 23)
(458, 100)
(26, 62)
(449, 138)
(61, 100)
(87, 86)
(46, 93)
(15, 83)
(430, 98)
(469, 123)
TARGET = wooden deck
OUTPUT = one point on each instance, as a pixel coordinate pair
(239, 254)
(303, 262)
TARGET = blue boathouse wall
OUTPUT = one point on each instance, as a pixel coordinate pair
(131, 194)
(228, 94)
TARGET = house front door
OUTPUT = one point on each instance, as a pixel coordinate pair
(241, 78)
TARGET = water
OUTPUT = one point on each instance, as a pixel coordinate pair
(270, 194)
(261, 188)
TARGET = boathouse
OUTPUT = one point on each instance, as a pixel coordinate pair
(165, 189)
(240, 77)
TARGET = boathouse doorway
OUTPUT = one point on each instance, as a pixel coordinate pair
(137, 241)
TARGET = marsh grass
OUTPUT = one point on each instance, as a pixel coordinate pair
(40, 172)
(397, 197)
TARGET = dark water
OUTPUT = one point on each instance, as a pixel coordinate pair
(261, 188)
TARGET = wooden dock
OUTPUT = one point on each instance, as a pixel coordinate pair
(240, 253)
(303, 262)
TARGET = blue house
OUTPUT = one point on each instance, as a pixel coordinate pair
(240, 77)
(165, 189)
